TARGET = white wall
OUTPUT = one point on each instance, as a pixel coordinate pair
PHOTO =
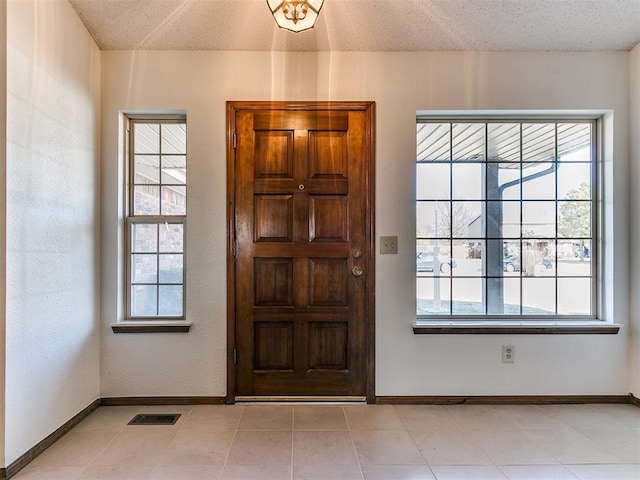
(52, 326)
(634, 140)
(401, 84)
(3, 212)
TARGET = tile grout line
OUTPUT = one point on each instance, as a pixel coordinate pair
(88, 465)
(233, 439)
(166, 448)
(500, 467)
(414, 443)
(353, 443)
(514, 428)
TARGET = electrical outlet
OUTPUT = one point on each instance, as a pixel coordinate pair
(508, 353)
(389, 244)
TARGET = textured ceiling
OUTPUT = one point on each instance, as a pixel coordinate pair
(367, 25)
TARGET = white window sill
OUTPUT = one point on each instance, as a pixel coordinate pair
(515, 327)
(151, 326)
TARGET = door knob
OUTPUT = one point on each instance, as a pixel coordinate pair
(357, 271)
(356, 252)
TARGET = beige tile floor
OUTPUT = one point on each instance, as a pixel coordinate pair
(345, 442)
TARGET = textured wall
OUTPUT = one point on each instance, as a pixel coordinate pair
(52, 366)
(3, 212)
(401, 84)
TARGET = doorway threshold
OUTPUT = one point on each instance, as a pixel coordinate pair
(298, 399)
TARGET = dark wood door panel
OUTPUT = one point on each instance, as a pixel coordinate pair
(264, 249)
(273, 346)
(333, 384)
(302, 184)
(273, 281)
(328, 218)
(311, 186)
(328, 282)
(288, 119)
(273, 220)
(273, 154)
(328, 346)
(328, 155)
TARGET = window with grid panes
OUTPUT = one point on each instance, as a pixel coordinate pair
(157, 209)
(506, 218)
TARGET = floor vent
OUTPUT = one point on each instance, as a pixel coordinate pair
(154, 419)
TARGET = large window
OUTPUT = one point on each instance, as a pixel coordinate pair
(506, 218)
(157, 179)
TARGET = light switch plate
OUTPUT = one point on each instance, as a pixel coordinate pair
(389, 244)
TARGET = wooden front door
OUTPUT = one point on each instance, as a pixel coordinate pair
(300, 249)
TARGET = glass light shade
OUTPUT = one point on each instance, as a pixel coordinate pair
(295, 15)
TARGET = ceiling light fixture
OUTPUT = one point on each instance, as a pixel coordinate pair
(295, 15)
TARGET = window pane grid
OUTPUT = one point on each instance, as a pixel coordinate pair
(544, 259)
(157, 216)
(154, 270)
(556, 157)
(158, 169)
(147, 167)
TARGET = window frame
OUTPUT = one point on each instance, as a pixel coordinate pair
(132, 219)
(492, 322)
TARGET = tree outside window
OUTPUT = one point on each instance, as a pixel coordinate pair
(504, 218)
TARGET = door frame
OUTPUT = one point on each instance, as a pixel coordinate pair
(233, 107)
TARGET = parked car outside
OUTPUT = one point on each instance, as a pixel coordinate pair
(512, 263)
(425, 262)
